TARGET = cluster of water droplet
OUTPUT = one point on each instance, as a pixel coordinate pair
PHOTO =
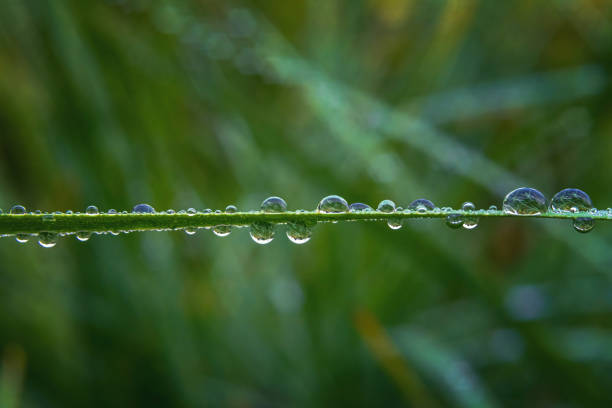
(522, 201)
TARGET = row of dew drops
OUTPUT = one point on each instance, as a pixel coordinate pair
(522, 201)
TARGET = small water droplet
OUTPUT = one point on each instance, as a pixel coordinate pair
(190, 231)
(262, 232)
(386, 206)
(112, 211)
(524, 201)
(207, 211)
(83, 236)
(48, 218)
(492, 208)
(421, 205)
(230, 209)
(18, 210)
(47, 239)
(92, 210)
(358, 207)
(583, 224)
(22, 238)
(143, 209)
(273, 205)
(593, 211)
(170, 211)
(454, 221)
(333, 204)
(395, 223)
(300, 232)
(571, 200)
(191, 211)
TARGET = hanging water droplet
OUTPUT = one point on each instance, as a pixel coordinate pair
(191, 211)
(92, 210)
(22, 238)
(524, 201)
(454, 221)
(273, 205)
(47, 239)
(571, 200)
(332, 204)
(386, 206)
(395, 223)
(143, 209)
(83, 236)
(299, 232)
(358, 207)
(583, 224)
(469, 221)
(190, 231)
(18, 210)
(262, 232)
(224, 230)
(421, 205)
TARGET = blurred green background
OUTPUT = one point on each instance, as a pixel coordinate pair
(206, 103)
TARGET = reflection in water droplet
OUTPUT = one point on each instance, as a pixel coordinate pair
(83, 236)
(273, 205)
(18, 210)
(262, 232)
(358, 207)
(524, 201)
(469, 221)
(143, 209)
(386, 206)
(583, 224)
(300, 232)
(454, 221)
(421, 205)
(333, 204)
(571, 200)
(22, 238)
(47, 239)
(92, 210)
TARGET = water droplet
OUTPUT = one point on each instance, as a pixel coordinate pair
(469, 221)
(273, 205)
(47, 239)
(83, 236)
(22, 238)
(358, 207)
(583, 224)
(300, 232)
(262, 232)
(468, 206)
(493, 208)
(421, 205)
(18, 210)
(191, 211)
(112, 211)
(143, 209)
(190, 231)
(454, 221)
(92, 210)
(230, 209)
(571, 200)
(395, 223)
(332, 204)
(524, 201)
(170, 211)
(207, 211)
(1, 212)
(386, 206)
(48, 218)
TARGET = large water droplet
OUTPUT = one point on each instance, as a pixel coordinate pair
(143, 209)
(386, 206)
(92, 210)
(22, 238)
(583, 224)
(273, 205)
(358, 207)
(262, 232)
(83, 236)
(299, 232)
(454, 221)
(421, 205)
(47, 239)
(468, 206)
(571, 200)
(332, 204)
(18, 210)
(524, 201)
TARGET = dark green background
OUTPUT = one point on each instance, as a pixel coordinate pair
(206, 103)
